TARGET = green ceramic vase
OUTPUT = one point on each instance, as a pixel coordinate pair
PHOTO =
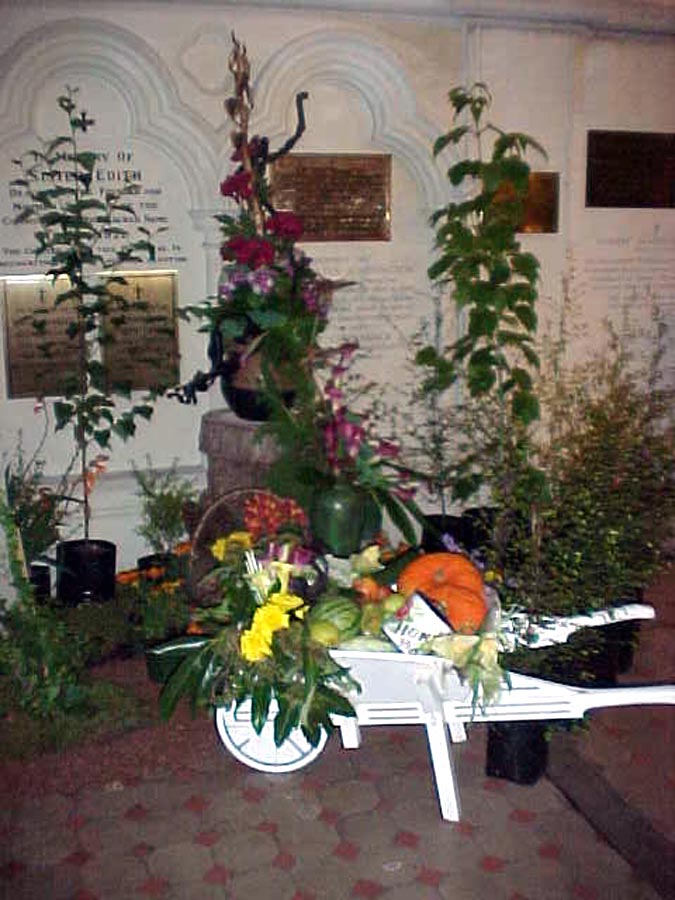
(342, 518)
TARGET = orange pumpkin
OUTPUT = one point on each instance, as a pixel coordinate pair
(452, 582)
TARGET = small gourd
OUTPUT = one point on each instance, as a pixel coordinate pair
(450, 581)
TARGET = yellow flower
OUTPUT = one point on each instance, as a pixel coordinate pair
(269, 618)
(283, 571)
(286, 601)
(254, 646)
(236, 540)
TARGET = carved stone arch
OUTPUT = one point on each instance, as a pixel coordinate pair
(158, 117)
(348, 59)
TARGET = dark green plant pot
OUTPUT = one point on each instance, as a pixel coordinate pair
(340, 519)
(85, 570)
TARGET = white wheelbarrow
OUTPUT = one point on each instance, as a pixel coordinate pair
(406, 689)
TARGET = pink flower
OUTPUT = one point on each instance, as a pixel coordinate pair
(285, 225)
(387, 449)
(253, 252)
(237, 186)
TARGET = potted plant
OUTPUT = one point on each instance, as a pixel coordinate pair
(74, 223)
(493, 362)
(166, 498)
(37, 510)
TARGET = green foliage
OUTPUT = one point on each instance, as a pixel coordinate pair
(164, 499)
(40, 660)
(470, 443)
(73, 223)
(107, 709)
(493, 281)
(36, 509)
(610, 463)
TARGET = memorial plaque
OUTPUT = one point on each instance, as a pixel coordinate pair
(143, 352)
(39, 355)
(630, 170)
(541, 204)
(344, 197)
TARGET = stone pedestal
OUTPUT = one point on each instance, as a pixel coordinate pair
(236, 459)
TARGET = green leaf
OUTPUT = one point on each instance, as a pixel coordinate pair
(87, 159)
(467, 167)
(397, 513)
(525, 406)
(287, 718)
(452, 137)
(187, 676)
(63, 413)
(482, 322)
(261, 697)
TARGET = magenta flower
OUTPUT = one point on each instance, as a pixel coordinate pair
(237, 186)
(285, 225)
(253, 252)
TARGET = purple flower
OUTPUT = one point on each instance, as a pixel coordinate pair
(262, 281)
(231, 278)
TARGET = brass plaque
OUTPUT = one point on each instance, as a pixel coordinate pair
(142, 348)
(541, 203)
(343, 197)
(39, 355)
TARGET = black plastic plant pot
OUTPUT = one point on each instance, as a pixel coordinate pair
(158, 566)
(517, 751)
(438, 527)
(85, 570)
(40, 577)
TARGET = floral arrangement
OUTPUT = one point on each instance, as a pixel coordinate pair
(271, 304)
(258, 643)
(329, 436)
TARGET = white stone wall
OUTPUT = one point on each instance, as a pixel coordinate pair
(154, 74)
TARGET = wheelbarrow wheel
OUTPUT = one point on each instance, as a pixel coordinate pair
(258, 751)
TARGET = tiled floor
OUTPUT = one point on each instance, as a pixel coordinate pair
(167, 813)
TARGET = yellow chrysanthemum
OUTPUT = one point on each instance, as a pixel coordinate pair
(236, 540)
(254, 645)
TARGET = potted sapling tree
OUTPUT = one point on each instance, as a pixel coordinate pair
(81, 236)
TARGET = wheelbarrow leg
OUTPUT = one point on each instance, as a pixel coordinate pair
(443, 765)
(350, 733)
